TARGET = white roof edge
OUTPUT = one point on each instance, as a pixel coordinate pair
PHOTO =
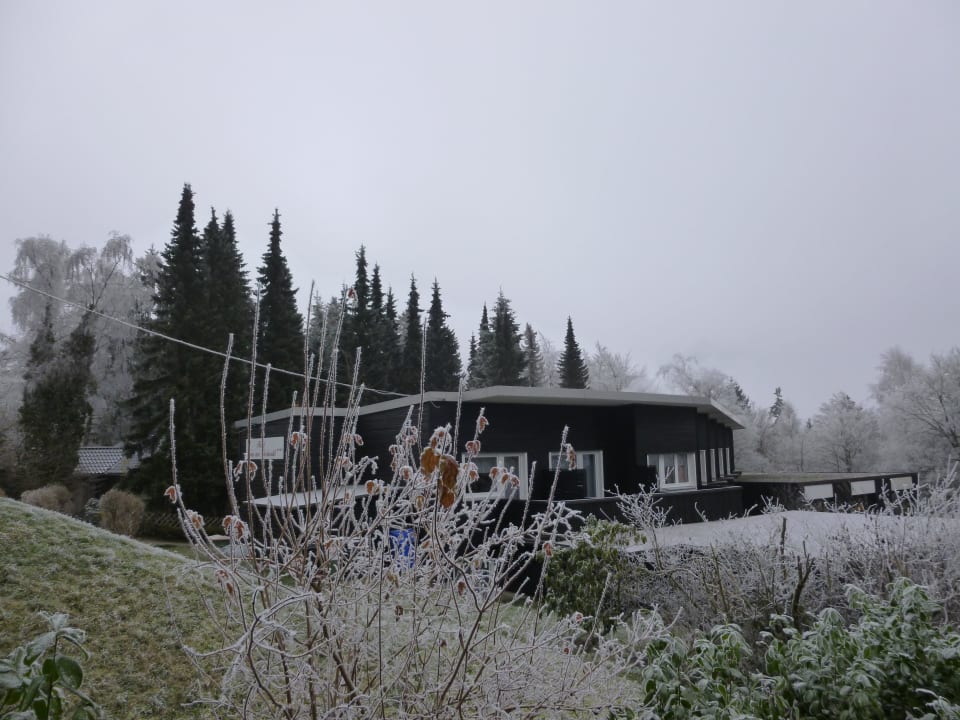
(547, 396)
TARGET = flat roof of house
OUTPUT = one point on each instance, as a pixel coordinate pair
(811, 478)
(536, 396)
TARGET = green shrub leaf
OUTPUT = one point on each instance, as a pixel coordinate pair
(70, 672)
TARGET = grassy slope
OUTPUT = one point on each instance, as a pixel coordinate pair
(117, 590)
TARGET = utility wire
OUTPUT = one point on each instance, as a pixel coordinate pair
(170, 338)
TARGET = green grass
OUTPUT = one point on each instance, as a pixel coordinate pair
(124, 594)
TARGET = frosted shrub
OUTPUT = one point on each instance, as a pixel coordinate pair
(595, 573)
(896, 661)
(744, 578)
(325, 614)
(50, 497)
(121, 512)
(915, 536)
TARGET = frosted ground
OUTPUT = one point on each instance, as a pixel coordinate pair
(815, 530)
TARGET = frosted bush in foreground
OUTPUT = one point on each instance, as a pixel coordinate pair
(745, 577)
(325, 614)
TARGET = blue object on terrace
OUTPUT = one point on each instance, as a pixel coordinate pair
(402, 543)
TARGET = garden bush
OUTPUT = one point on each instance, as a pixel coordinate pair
(121, 512)
(594, 576)
(50, 497)
(897, 661)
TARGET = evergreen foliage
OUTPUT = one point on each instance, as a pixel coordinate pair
(228, 310)
(442, 371)
(55, 414)
(472, 359)
(358, 327)
(534, 374)
(322, 341)
(391, 346)
(408, 379)
(572, 367)
(281, 324)
(165, 370)
(482, 358)
(380, 358)
(777, 408)
(506, 363)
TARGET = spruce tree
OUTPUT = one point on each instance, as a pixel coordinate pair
(483, 357)
(376, 355)
(507, 362)
(393, 348)
(55, 414)
(472, 361)
(229, 310)
(358, 328)
(318, 340)
(571, 367)
(535, 373)
(281, 324)
(443, 364)
(408, 377)
(165, 370)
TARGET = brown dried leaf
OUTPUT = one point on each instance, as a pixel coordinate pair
(428, 460)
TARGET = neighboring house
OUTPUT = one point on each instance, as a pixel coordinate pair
(102, 466)
(680, 446)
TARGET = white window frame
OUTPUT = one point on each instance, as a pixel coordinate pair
(555, 457)
(823, 491)
(863, 487)
(704, 473)
(658, 461)
(726, 461)
(497, 488)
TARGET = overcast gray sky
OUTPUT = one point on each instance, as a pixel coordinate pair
(772, 187)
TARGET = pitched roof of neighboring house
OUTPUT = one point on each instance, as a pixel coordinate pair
(103, 460)
(541, 396)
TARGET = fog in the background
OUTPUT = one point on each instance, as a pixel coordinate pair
(773, 188)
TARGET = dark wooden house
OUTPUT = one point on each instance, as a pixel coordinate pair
(681, 447)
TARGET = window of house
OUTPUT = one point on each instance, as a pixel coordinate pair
(484, 485)
(704, 473)
(674, 470)
(591, 462)
(726, 461)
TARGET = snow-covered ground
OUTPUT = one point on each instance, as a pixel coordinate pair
(816, 529)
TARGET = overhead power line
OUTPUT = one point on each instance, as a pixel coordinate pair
(170, 338)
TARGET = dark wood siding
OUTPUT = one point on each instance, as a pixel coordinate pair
(379, 431)
(537, 431)
(664, 429)
(626, 435)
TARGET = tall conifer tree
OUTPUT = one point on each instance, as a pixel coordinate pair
(473, 358)
(358, 327)
(571, 367)
(443, 364)
(393, 348)
(483, 358)
(281, 324)
(55, 414)
(534, 374)
(507, 361)
(408, 380)
(228, 310)
(382, 338)
(165, 370)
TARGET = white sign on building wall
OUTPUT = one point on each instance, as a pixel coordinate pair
(270, 448)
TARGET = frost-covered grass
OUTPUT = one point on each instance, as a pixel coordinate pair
(115, 589)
